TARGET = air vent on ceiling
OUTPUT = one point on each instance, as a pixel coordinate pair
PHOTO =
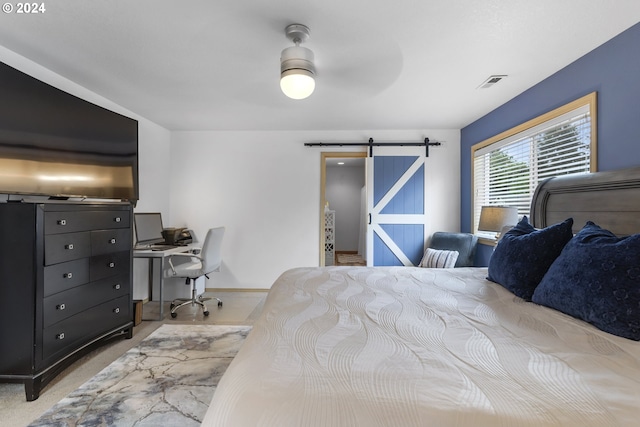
(491, 81)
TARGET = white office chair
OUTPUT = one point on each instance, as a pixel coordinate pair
(208, 260)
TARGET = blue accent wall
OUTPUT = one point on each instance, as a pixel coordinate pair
(612, 70)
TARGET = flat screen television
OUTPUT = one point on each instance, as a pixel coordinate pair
(58, 145)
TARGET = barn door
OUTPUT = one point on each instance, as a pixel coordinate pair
(396, 208)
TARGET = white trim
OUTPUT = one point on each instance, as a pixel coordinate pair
(398, 218)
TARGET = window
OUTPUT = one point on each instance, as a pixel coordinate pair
(507, 168)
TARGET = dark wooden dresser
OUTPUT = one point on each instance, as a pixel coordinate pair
(65, 285)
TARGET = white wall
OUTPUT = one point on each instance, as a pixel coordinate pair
(154, 170)
(442, 188)
(265, 188)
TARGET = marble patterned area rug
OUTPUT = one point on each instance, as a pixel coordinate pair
(168, 379)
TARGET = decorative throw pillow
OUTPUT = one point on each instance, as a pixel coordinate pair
(596, 278)
(436, 258)
(523, 255)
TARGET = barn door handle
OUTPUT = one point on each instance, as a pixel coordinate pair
(369, 219)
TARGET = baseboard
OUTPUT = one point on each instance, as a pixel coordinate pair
(235, 290)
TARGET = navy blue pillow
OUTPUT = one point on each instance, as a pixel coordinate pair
(596, 278)
(523, 255)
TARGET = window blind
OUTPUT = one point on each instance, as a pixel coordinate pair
(508, 171)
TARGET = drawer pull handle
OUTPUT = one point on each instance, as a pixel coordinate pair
(67, 275)
(62, 222)
(117, 287)
(117, 219)
(116, 310)
(112, 241)
(60, 336)
(61, 306)
(69, 246)
(112, 264)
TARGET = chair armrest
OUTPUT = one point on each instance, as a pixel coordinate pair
(185, 254)
(182, 255)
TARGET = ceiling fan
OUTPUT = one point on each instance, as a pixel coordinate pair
(364, 64)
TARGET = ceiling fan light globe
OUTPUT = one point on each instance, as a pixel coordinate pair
(297, 72)
(297, 84)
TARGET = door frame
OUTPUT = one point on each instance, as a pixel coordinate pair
(323, 184)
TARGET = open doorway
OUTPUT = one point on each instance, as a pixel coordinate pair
(343, 208)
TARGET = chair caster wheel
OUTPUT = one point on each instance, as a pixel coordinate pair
(174, 315)
(206, 313)
(219, 303)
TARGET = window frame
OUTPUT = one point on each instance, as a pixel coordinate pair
(589, 100)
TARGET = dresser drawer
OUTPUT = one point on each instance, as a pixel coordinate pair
(113, 219)
(86, 325)
(65, 304)
(107, 265)
(66, 247)
(112, 287)
(72, 221)
(66, 275)
(107, 241)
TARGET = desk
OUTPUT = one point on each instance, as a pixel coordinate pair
(152, 256)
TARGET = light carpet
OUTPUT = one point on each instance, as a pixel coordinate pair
(166, 380)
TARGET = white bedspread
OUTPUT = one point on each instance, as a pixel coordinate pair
(398, 346)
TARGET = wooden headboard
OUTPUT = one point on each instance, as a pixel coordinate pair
(610, 199)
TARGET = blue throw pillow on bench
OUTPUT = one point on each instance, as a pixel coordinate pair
(523, 255)
(596, 278)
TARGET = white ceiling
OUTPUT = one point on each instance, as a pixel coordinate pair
(381, 64)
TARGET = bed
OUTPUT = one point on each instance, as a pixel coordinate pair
(405, 346)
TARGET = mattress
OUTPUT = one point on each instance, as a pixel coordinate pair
(402, 346)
